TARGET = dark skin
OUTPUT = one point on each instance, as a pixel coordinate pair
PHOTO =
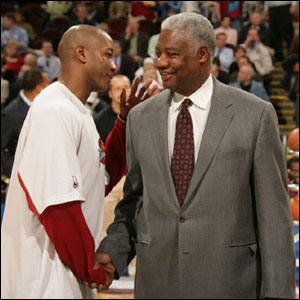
(86, 65)
(181, 72)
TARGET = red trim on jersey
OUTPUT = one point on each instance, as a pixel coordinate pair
(30, 204)
(115, 150)
(67, 229)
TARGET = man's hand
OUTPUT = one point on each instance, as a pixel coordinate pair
(109, 268)
(133, 100)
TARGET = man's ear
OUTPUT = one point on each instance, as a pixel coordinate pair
(203, 54)
(81, 54)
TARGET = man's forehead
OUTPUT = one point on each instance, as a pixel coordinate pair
(172, 38)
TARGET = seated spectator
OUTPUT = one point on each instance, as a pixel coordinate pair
(135, 42)
(225, 54)
(245, 61)
(211, 10)
(123, 64)
(247, 83)
(148, 64)
(235, 10)
(293, 170)
(260, 55)
(219, 74)
(119, 9)
(49, 60)
(163, 7)
(231, 33)
(152, 44)
(105, 119)
(81, 14)
(142, 10)
(30, 59)
(255, 22)
(13, 32)
(238, 52)
(13, 116)
(12, 56)
(58, 8)
(22, 16)
(6, 73)
(156, 85)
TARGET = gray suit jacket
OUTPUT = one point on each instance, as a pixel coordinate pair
(233, 237)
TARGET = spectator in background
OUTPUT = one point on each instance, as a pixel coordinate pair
(293, 170)
(105, 119)
(123, 64)
(245, 61)
(231, 33)
(280, 15)
(22, 16)
(219, 74)
(13, 116)
(255, 22)
(30, 59)
(13, 32)
(224, 53)
(49, 60)
(164, 6)
(238, 52)
(6, 73)
(151, 45)
(246, 82)
(14, 61)
(155, 77)
(143, 10)
(135, 42)
(119, 9)
(235, 10)
(58, 8)
(148, 64)
(259, 55)
(81, 14)
(211, 10)
(4, 85)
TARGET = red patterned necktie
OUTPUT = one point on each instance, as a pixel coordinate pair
(182, 164)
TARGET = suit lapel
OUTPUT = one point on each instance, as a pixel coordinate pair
(158, 122)
(220, 116)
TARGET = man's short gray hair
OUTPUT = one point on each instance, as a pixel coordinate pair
(198, 28)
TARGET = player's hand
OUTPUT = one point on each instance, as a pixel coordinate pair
(133, 100)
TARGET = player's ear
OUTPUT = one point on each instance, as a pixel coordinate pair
(81, 54)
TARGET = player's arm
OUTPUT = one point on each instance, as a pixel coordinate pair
(67, 229)
(115, 145)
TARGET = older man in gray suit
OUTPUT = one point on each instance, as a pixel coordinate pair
(205, 207)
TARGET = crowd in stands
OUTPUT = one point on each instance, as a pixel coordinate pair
(249, 38)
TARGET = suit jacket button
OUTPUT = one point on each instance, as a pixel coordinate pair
(182, 219)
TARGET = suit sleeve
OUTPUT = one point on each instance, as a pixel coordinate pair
(115, 149)
(66, 227)
(274, 216)
(7, 136)
(119, 243)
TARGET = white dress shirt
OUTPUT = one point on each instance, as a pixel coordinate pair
(199, 111)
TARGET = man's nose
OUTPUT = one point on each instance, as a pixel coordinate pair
(161, 61)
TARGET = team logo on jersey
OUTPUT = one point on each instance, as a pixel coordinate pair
(102, 157)
(75, 182)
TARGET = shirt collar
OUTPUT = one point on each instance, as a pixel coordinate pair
(25, 99)
(200, 97)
